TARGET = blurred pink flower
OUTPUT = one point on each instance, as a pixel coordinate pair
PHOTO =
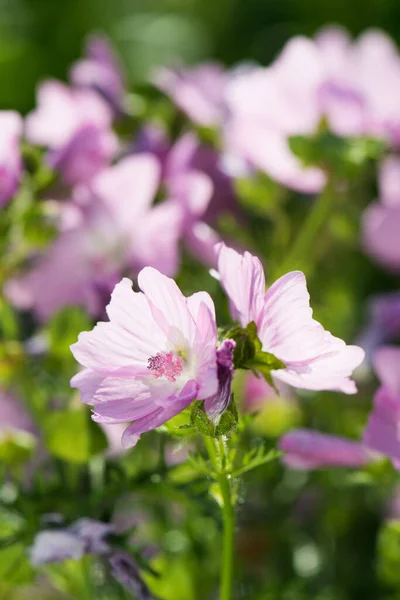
(383, 322)
(193, 176)
(13, 416)
(100, 71)
(155, 355)
(382, 431)
(267, 105)
(307, 449)
(197, 91)
(116, 230)
(256, 392)
(10, 156)
(75, 125)
(381, 220)
(314, 358)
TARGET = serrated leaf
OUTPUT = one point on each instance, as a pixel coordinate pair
(255, 458)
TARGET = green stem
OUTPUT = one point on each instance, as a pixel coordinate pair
(228, 515)
(303, 246)
(216, 451)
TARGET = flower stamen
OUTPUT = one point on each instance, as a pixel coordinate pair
(165, 364)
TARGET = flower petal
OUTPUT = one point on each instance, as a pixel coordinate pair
(307, 449)
(242, 277)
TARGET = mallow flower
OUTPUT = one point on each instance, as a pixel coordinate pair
(75, 126)
(197, 91)
(100, 71)
(154, 356)
(382, 431)
(383, 323)
(313, 358)
(10, 156)
(381, 220)
(307, 449)
(115, 230)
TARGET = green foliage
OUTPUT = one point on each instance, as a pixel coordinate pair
(73, 436)
(345, 157)
(249, 355)
(256, 457)
(16, 447)
(64, 328)
(225, 426)
(389, 553)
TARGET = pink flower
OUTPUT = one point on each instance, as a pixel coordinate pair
(100, 71)
(307, 449)
(314, 358)
(155, 355)
(257, 392)
(76, 127)
(10, 157)
(383, 322)
(381, 221)
(197, 91)
(13, 417)
(267, 105)
(193, 177)
(116, 229)
(382, 431)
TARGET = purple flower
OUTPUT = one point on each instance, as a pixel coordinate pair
(100, 71)
(267, 105)
(193, 177)
(381, 221)
(116, 228)
(382, 431)
(383, 322)
(256, 392)
(314, 358)
(216, 404)
(75, 125)
(155, 355)
(85, 536)
(307, 449)
(197, 91)
(10, 157)
(13, 417)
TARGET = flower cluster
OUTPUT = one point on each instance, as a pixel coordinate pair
(158, 352)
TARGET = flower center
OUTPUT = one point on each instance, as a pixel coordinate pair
(165, 363)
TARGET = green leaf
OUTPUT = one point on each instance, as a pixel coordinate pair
(16, 447)
(247, 344)
(72, 436)
(389, 553)
(11, 523)
(344, 156)
(200, 421)
(64, 328)
(228, 422)
(249, 355)
(255, 458)
(14, 564)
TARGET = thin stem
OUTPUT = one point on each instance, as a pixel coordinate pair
(303, 246)
(228, 515)
(216, 451)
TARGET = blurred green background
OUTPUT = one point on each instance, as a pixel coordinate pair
(41, 38)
